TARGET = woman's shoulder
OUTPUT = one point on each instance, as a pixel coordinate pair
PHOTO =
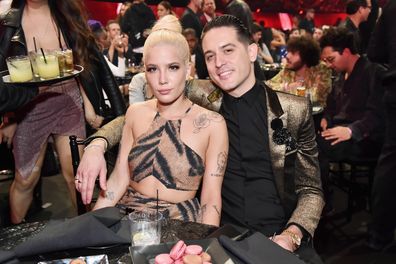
(203, 117)
(141, 109)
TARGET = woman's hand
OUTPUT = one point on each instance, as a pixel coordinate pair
(7, 133)
(94, 120)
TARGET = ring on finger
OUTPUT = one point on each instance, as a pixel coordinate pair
(78, 180)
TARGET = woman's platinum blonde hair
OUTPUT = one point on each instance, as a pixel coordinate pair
(169, 22)
(167, 37)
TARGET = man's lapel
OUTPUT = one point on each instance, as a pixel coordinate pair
(277, 151)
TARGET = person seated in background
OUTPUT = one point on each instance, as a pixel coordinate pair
(120, 50)
(264, 55)
(353, 120)
(164, 8)
(198, 65)
(208, 11)
(169, 145)
(304, 69)
(102, 39)
(317, 34)
(294, 33)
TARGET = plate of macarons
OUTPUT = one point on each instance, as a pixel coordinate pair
(203, 251)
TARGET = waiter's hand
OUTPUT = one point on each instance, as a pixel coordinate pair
(7, 133)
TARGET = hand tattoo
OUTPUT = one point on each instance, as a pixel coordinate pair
(203, 121)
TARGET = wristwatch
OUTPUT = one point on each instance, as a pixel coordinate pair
(294, 237)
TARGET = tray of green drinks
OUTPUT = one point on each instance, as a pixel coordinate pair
(41, 81)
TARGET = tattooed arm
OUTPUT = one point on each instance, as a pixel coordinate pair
(216, 160)
(119, 178)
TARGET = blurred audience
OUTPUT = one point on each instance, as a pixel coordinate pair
(353, 121)
(164, 8)
(197, 58)
(209, 11)
(263, 53)
(357, 12)
(307, 24)
(317, 34)
(191, 16)
(303, 69)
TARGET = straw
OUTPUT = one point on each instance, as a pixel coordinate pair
(157, 214)
(42, 52)
(35, 45)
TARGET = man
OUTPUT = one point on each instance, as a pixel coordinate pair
(358, 12)
(196, 53)
(272, 182)
(303, 68)
(382, 49)
(136, 21)
(353, 118)
(120, 48)
(190, 17)
(307, 24)
(317, 34)
(209, 11)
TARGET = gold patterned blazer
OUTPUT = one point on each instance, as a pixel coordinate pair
(296, 170)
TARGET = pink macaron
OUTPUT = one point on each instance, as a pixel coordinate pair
(163, 259)
(177, 250)
(193, 250)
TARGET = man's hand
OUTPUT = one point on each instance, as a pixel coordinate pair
(7, 134)
(284, 241)
(337, 134)
(92, 164)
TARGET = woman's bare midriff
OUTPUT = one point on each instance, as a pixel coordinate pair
(149, 186)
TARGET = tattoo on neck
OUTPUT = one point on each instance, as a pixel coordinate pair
(204, 120)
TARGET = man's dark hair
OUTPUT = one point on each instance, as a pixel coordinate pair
(338, 38)
(308, 49)
(189, 32)
(352, 6)
(232, 22)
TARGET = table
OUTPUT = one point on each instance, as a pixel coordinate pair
(173, 230)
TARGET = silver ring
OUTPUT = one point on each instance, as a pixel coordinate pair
(78, 180)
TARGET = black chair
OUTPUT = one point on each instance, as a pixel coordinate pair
(346, 176)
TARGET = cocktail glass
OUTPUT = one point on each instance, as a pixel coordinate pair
(19, 68)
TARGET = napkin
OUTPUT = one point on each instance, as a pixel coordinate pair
(96, 228)
(258, 249)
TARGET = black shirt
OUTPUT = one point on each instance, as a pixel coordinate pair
(250, 197)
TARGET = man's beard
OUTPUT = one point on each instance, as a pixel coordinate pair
(295, 66)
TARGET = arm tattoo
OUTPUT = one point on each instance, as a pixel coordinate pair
(216, 209)
(203, 121)
(221, 164)
(203, 210)
(109, 195)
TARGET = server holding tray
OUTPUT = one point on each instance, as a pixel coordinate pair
(36, 38)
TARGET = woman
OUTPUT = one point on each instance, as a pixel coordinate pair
(164, 8)
(169, 145)
(57, 113)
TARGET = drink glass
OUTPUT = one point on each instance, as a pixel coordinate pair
(61, 62)
(19, 68)
(48, 67)
(145, 228)
(32, 57)
(69, 66)
(300, 91)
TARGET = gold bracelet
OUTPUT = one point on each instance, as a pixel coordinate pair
(294, 237)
